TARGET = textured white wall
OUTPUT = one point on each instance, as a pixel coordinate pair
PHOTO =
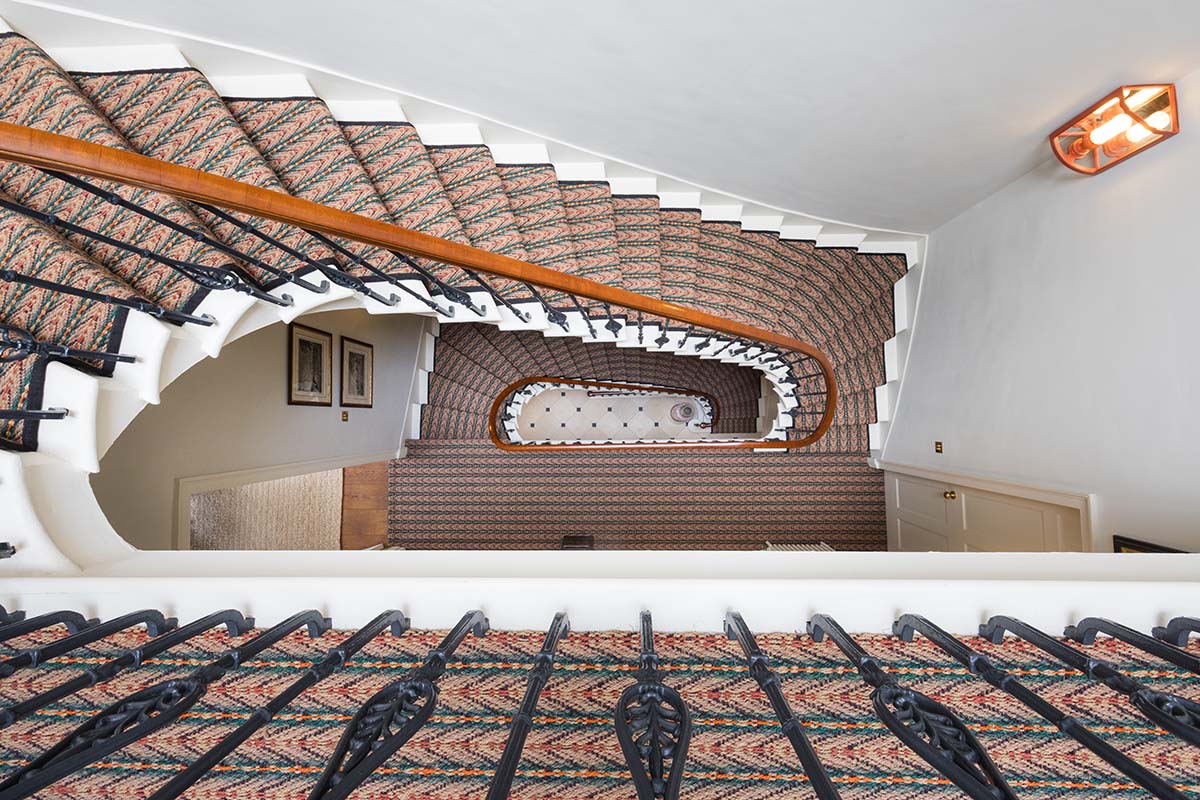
(231, 414)
(1058, 339)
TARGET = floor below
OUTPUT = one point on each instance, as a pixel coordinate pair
(470, 495)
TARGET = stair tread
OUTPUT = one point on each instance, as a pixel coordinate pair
(36, 93)
(592, 220)
(679, 239)
(177, 116)
(537, 205)
(469, 176)
(637, 222)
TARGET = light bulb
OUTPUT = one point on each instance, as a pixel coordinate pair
(1139, 99)
(1118, 124)
(1159, 120)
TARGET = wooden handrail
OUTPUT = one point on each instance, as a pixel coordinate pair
(53, 151)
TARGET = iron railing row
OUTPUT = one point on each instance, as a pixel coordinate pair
(651, 720)
(506, 283)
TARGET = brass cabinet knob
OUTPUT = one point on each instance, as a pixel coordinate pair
(950, 495)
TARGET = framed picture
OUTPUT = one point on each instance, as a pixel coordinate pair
(358, 373)
(310, 366)
(1123, 544)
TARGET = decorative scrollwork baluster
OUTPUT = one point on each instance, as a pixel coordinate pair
(391, 717)
(925, 726)
(142, 713)
(1172, 713)
(334, 660)
(73, 620)
(768, 681)
(1086, 629)
(653, 726)
(978, 664)
(1177, 631)
(539, 675)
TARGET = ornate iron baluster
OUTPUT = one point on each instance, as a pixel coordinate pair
(144, 306)
(640, 323)
(978, 664)
(1170, 712)
(209, 277)
(334, 660)
(653, 726)
(768, 681)
(612, 326)
(663, 337)
(1086, 629)
(723, 347)
(452, 293)
(21, 345)
(553, 315)
(234, 622)
(522, 723)
(7, 616)
(496, 296)
(73, 620)
(583, 313)
(391, 717)
(1176, 631)
(142, 713)
(31, 657)
(928, 728)
(115, 199)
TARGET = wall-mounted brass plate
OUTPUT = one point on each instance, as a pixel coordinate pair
(937, 447)
(346, 418)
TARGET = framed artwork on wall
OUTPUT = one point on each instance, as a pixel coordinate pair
(358, 373)
(310, 366)
(1123, 544)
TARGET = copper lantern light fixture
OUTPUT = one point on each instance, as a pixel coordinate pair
(1123, 123)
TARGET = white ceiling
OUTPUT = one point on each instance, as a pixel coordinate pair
(890, 113)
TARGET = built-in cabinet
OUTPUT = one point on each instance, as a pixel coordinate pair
(926, 512)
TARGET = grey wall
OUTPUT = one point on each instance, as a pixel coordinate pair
(1057, 339)
(231, 414)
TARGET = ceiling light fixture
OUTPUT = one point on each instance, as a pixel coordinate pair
(1124, 122)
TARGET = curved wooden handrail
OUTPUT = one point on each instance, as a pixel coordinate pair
(53, 151)
(507, 391)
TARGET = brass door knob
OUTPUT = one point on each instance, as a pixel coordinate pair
(950, 495)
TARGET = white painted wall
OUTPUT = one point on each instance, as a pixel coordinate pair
(231, 414)
(1057, 339)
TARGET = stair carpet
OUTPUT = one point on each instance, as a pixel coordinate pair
(839, 300)
(473, 364)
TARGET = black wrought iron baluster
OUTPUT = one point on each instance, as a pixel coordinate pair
(1177, 631)
(553, 315)
(663, 334)
(741, 350)
(925, 726)
(1170, 712)
(653, 726)
(216, 278)
(142, 713)
(34, 413)
(979, 664)
(144, 306)
(587, 320)
(334, 660)
(724, 347)
(452, 293)
(196, 235)
(640, 323)
(73, 620)
(7, 616)
(154, 621)
(612, 326)
(1086, 629)
(20, 344)
(234, 622)
(768, 681)
(522, 723)
(391, 717)
(316, 264)
(498, 298)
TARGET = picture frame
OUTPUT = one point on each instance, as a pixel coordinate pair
(1123, 544)
(310, 366)
(357, 374)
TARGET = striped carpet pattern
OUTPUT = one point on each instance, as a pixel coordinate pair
(474, 363)
(467, 494)
(737, 750)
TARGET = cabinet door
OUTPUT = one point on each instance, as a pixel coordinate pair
(991, 522)
(920, 521)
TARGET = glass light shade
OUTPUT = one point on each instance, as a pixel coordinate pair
(1122, 123)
